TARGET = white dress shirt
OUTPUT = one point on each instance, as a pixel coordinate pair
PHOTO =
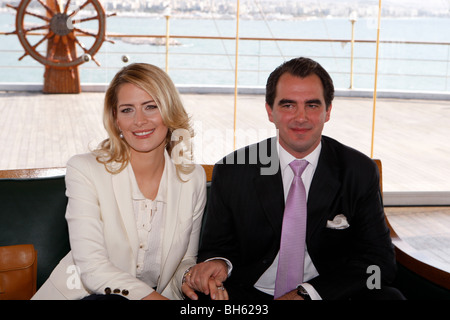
(266, 283)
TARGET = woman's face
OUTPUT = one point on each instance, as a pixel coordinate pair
(139, 119)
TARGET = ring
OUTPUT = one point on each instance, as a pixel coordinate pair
(221, 288)
(188, 274)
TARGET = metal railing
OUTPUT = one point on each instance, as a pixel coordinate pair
(350, 67)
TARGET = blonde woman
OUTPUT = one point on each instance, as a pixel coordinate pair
(136, 203)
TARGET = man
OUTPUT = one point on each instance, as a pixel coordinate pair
(346, 241)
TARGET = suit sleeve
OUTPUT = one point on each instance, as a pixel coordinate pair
(198, 201)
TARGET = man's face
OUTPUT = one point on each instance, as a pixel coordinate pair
(299, 113)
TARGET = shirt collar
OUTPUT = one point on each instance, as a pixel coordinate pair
(136, 193)
(286, 157)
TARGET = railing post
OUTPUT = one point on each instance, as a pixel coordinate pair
(236, 72)
(376, 80)
(167, 12)
(352, 20)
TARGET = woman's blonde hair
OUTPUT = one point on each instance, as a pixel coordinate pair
(114, 152)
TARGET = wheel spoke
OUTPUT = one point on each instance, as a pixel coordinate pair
(53, 48)
(109, 40)
(24, 55)
(85, 32)
(50, 11)
(88, 19)
(12, 7)
(47, 36)
(67, 6)
(95, 60)
(82, 46)
(37, 16)
(80, 8)
(67, 48)
(58, 8)
(36, 28)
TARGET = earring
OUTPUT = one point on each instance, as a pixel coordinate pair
(121, 135)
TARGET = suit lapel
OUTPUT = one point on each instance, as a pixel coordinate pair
(122, 191)
(270, 194)
(174, 188)
(269, 189)
(323, 190)
(173, 195)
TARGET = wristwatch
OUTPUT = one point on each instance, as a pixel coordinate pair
(303, 293)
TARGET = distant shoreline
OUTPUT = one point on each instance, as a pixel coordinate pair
(244, 16)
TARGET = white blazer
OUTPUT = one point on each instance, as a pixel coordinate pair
(103, 234)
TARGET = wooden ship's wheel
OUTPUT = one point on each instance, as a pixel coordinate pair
(54, 22)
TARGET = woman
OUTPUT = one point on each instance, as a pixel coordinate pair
(136, 203)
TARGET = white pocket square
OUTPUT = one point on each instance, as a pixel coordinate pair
(339, 222)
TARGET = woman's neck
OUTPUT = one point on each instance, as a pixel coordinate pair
(148, 169)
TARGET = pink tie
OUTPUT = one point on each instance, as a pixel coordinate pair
(293, 234)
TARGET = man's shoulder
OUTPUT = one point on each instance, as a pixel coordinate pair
(345, 155)
(343, 150)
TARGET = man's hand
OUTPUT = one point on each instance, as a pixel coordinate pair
(207, 277)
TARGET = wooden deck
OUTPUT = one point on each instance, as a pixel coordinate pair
(411, 139)
(411, 136)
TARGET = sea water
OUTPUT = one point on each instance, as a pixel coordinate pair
(423, 66)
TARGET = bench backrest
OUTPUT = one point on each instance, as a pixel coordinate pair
(32, 212)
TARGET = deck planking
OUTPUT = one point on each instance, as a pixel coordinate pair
(411, 136)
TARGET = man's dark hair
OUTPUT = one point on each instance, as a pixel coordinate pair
(300, 67)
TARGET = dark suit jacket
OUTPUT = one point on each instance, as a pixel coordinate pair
(245, 212)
